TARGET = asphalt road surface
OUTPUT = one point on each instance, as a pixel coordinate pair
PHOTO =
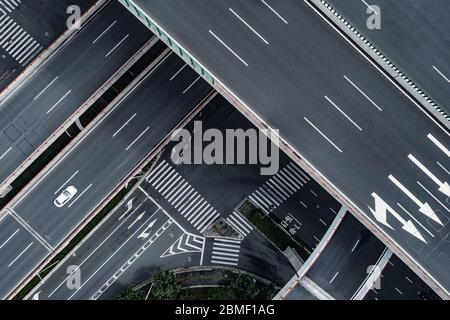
(293, 199)
(102, 159)
(28, 27)
(99, 258)
(337, 110)
(136, 240)
(59, 88)
(422, 53)
(344, 264)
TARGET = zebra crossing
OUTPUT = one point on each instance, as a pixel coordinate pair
(187, 243)
(18, 43)
(239, 223)
(226, 251)
(9, 5)
(279, 187)
(182, 196)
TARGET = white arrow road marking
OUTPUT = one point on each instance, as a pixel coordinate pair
(36, 296)
(139, 217)
(380, 213)
(146, 233)
(439, 144)
(444, 187)
(423, 207)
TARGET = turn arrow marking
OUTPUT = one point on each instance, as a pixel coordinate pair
(423, 207)
(380, 214)
(444, 187)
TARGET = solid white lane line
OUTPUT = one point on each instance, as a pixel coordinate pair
(64, 184)
(362, 92)
(438, 144)
(443, 168)
(5, 153)
(227, 240)
(354, 247)
(46, 87)
(322, 134)
(111, 256)
(81, 194)
(135, 140)
(370, 7)
(274, 11)
(334, 277)
(249, 26)
(343, 113)
(92, 252)
(103, 33)
(295, 219)
(181, 69)
(10, 237)
(229, 49)
(188, 88)
(28, 247)
(441, 74)
(117, 45)
(433, 196)
(59, 101)
(124, 125)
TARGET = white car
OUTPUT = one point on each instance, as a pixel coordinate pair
(65, 196)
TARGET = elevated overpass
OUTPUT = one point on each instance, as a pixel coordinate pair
(340, 116)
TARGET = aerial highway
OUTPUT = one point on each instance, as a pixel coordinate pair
(340, 116)
(96, 165)
(137, 239)
(345, 263)
(27, 28)
(422, 55)
(37, 109)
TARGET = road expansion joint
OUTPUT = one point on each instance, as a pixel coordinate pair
(30, 229)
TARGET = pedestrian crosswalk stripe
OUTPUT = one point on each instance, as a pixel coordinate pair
(182, 196)
(277, 189)
(17, 43)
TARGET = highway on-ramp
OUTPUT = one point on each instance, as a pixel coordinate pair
(366, 140)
